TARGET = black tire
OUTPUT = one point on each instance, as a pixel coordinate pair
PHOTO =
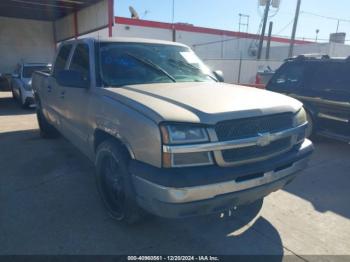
(13, 94)
(46, 129)
(114, 183)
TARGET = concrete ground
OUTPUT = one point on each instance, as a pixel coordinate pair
(49, 205)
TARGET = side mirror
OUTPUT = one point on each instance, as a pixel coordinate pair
(15, 75)
(71, 78)
(219, 75)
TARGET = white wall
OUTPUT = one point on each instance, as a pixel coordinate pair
(92, 17)
(339, 50)
(89, 19)
(203, 43)
(141, 31)
(65, 27)
(24, 40)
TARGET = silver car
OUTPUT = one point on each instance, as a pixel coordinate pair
(21, 83)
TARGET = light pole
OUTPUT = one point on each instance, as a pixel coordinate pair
(317, 32)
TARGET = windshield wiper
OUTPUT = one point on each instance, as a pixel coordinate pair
(180, 63)
(152, 65)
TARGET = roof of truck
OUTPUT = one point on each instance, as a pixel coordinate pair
(131, 40)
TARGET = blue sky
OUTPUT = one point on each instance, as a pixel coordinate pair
(223, 14)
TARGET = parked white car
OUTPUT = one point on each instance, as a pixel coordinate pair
(21, 83)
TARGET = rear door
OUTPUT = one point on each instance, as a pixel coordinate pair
(331, 82)
(75, 101)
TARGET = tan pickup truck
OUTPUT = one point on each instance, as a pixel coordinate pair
(166, 136)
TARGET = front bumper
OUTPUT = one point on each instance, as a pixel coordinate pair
(181, 196)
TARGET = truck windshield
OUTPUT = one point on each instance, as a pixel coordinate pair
(29, 70)
(139, 63)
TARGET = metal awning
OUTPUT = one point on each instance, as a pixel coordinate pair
(47, 10)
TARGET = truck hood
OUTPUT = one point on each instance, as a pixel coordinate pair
(201, 102)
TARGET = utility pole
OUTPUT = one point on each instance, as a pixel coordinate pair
(292, 40)
(262, 36)
(269, 42)
(172, 22)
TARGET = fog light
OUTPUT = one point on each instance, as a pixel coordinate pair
(187, 159)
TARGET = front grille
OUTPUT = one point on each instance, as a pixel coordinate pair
(251, 127)
(256, 152)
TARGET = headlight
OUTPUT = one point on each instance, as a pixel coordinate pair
(182, 134)
(300, 118)
(176, 134)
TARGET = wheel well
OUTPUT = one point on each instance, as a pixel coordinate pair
(101, 136)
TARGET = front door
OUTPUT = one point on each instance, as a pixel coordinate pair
(53, 106)
(75, 101)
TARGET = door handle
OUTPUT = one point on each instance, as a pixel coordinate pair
(62, 94)
(49, 88)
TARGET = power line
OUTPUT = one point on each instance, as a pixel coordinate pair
(285, 27)
(325, 17)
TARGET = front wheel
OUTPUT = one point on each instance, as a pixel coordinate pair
(114, 183)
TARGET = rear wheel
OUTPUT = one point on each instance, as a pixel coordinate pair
(114, 183)
(46, 129)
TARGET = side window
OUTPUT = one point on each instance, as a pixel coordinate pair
(61, 59)
(340, 77)
(291, 77)
(323, 75)
(81, 60)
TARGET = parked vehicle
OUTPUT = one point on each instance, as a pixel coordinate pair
(264, 76)
(323, 85)
(21, 83)
(164, 134)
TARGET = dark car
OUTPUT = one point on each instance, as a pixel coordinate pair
(323, 85)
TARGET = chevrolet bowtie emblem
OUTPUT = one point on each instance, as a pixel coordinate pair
(264, 139)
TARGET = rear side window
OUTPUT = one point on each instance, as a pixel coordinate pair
(62, 58)
(328, 76)
(81, 60)
(290, 76)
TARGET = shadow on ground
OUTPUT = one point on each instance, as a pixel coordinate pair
(325, 183)
(50, 205)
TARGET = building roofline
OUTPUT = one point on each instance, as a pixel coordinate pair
(196, 29)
